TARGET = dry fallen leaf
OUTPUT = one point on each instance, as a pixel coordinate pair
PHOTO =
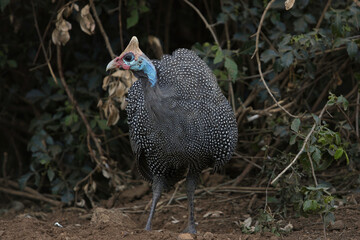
(105, 173)
(87, 22)
(114, 115)
(247, 223)
(123, 103)
(121, 89)
(105, 84)
(67, 11)
(357, 2)
(75, 6)
(117, 84)
(213, 214)
(111, 112)
(288, 228)
(174, 220)
(289, 4)
(63, 25)
(60, 35)
(100, 103)
(185, 236)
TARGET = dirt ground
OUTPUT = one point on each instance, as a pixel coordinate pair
(220, 215)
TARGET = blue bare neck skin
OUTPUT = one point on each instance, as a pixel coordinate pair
(144, 64)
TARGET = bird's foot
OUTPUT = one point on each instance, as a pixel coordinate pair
(190, 229)
(148, 227)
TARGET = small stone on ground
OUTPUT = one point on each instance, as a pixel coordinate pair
(185, 236)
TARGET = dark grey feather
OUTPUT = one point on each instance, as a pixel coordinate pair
(183, 122)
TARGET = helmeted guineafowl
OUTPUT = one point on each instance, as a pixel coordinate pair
(179, 121)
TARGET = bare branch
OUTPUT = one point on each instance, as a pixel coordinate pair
(75, 104)
(312, 168)
(204, 20)
(357, 113)
(323, 14)
(120, 27)
(27, 192)
(303, 146)
(107, 42)
(256, 52)
(42, 43)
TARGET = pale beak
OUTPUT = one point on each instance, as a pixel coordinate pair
(111, 65)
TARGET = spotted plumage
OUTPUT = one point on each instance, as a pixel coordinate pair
(180, 123)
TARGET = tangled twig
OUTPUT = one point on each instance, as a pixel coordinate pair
(323, 14)
(90, 132)
(256, 53)
(103, 33)
(204, 20)
(71, 97)
(27, 192)
(42, 43)
(312, 168)
(303, 146)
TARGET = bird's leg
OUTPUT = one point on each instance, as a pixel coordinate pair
(191, 181)
(157, 188)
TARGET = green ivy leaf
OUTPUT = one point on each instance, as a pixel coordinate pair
(340, 41)
(50, 174)
(12, 63)
(68, 195)
(295, 125)
(347, 158)
(220, 75)
(144, 9)
(310, 18)
(49, 140)
(268, 54)
(338, 153)
(311, 148)
(337, 139)
(337, 24)
(316, 156)
(23, 180)
(292, 140)
(3, 4)
(102, 123)
(133, 19)
(34, 95)
(310, 206)
(45, 159)
(287, 59)
(352, 49)
(55, 149)
(343, 101)
(232, 67)
(316, 118)
(71, 119)
(329, 217)
(68, 120)
(219, 56)
(300, 25)
(93, 123)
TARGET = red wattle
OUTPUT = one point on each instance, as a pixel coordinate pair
(124, 66)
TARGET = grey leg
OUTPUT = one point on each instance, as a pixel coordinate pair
(157, 187)
(191, 182)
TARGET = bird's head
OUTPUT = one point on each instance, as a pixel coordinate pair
(132, 58)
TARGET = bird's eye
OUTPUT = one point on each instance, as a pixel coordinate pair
(129, 57)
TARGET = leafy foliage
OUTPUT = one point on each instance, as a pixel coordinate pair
(318, 201)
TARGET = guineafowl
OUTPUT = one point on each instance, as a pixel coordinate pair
(179, 121)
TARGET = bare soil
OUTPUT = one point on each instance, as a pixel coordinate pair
(219, 216)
